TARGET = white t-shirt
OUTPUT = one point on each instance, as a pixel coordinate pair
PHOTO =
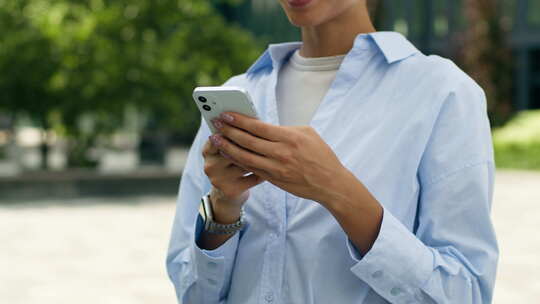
(302, 85)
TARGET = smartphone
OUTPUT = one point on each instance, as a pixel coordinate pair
(212, 101)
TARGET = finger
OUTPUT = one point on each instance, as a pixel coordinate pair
(254, 126)
(213, 164)
(250, 181)
(216, 162)
(247, 140)
(210, 148)
(244, 156)
(229, 174)
(261, 173)
(234, 172)
(222, 160)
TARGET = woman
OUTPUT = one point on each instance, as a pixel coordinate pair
(372, 176)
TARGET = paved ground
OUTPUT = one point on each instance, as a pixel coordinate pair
(516, 214)
(99, 251)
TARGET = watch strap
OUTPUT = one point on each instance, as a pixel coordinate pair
(211, 226)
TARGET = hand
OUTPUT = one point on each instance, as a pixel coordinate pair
(230, 188)
(294, 158)
(297, 160)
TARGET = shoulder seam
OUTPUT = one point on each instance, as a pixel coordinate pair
(457, 170)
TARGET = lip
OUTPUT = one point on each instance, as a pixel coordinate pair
(299, 3)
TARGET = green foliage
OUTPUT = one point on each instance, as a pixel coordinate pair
(65, 59)
(517, 144)
(27, 62)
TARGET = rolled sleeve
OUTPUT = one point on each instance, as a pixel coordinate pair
(213, 267)
(452, 255)
(397, 264)
(199, 276)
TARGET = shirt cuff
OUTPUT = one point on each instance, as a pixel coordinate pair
(398, 263)
(214, 266)
(226, 249)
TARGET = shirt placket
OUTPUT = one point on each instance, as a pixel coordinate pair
(274, 255)
(274, 206)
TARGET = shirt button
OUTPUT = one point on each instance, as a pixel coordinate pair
(269, 297)
(395, 291)
(377, 274)
(212, 265)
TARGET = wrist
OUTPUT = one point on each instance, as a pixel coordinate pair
(225, 213)
(346, 192)
(357, 211)
(337, 189)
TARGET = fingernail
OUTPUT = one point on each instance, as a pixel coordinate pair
(215, 140)
(218, 124)
(226, 117)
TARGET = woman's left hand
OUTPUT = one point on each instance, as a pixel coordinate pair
(294, 158)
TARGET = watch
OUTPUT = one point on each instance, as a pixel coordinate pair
(207, 214)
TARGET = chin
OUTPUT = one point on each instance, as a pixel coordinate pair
(304, 20)
(315, 12)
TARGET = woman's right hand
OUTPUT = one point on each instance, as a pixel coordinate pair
(230, 188)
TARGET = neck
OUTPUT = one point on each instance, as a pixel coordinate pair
(336, 36)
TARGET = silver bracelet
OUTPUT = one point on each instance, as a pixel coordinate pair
(216, 228)
(207, 213)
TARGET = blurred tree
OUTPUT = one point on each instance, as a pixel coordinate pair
(27, 64)
(486, 55)
(479, 44)
(64, 60)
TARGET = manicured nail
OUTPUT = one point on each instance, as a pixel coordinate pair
(215, 140)
(226, 117)
(218, 124)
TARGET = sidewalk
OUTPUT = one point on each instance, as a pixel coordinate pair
(516, 216)
(112, 251)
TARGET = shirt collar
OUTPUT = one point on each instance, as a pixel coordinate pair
(275, 53)
(393, 45)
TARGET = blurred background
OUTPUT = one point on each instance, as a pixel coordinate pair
(96, 119)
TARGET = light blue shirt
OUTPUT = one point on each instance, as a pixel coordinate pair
(414, 130)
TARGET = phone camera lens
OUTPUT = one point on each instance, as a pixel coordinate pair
(202, 99)
(207, 107)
